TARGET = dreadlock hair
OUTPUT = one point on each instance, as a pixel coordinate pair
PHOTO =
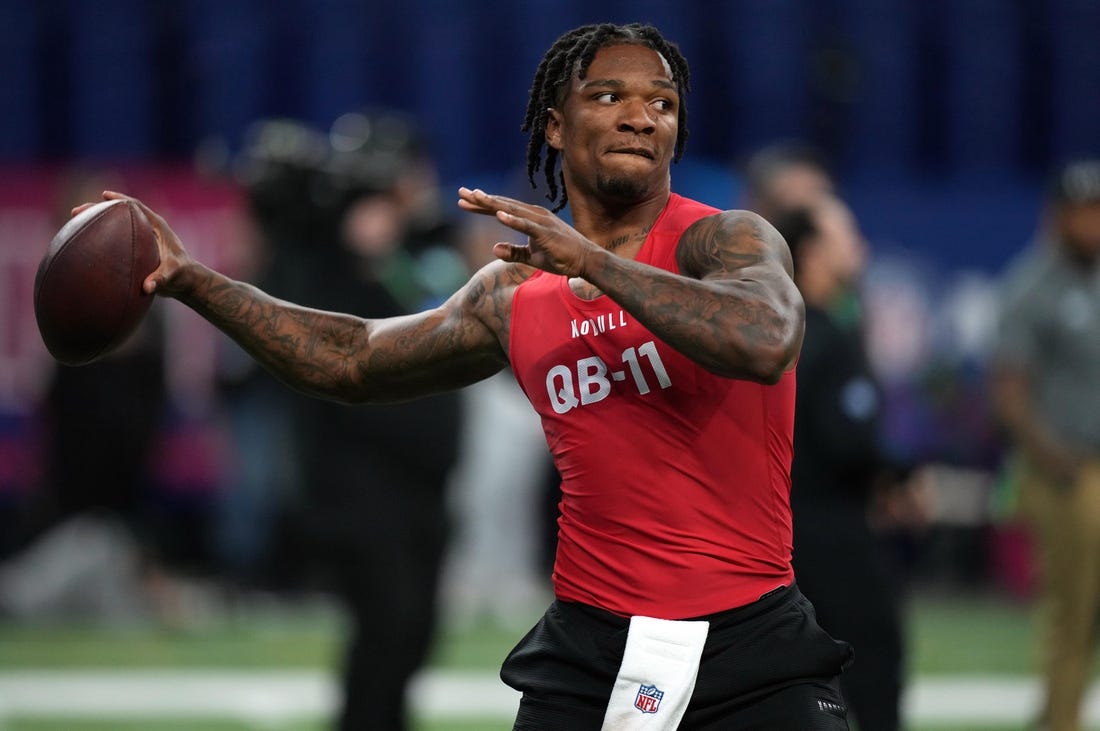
(570, 56)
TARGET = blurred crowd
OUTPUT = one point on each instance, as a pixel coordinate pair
(128, 494)
(142, 497)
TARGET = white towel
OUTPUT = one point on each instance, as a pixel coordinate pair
(657, 675)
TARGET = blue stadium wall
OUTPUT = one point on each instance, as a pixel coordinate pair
(941, 115)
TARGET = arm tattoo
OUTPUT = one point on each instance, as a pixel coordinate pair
(347, 358)
(734, 309)
(310, 350)
(705, 247)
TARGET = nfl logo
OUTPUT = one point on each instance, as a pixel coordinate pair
(649, 699)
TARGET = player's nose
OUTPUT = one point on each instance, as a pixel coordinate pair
(636, 116)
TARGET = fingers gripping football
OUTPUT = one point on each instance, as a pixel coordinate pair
(164, 280)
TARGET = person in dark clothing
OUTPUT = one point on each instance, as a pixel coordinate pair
(359, 230)
(83, 544)
(841, 563)
(376, 522)
(104, 418)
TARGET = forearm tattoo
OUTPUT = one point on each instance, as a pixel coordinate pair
(347, 358)
(311, 350)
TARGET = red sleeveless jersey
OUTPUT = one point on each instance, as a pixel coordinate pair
(675, 482)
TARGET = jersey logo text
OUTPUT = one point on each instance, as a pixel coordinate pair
(589, 381)
(599, 324)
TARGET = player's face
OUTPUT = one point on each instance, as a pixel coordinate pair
(616, 128)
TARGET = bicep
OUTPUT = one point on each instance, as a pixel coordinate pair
(742, 256)
(744, 265)
(733, 245)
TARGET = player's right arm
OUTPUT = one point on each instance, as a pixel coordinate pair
(342, 357)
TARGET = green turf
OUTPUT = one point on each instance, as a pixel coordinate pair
(948, 634)
(472, 725)
(970, 634)
(69, 724)
(294, 644)
(229, 646)
(481, 647)
(956, 634)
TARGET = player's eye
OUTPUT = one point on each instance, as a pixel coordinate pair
(607, 97)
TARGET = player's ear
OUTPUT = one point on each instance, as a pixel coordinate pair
(553, 128)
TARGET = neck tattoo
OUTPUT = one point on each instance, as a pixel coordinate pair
(626, 238)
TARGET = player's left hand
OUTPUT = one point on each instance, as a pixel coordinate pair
(552, 244)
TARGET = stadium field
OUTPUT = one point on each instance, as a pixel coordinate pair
(971, 663)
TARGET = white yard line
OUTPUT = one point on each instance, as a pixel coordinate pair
(972, 700)
(266, 697)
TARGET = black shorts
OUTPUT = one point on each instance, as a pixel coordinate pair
(767, 666)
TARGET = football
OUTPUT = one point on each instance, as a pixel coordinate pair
(87, 292)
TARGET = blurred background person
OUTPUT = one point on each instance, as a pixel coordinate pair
(1046, 386)
(496, 572)
(373, 522)
(843, 484)
(784, 175)
(88, 548)
(260, 483)
(353, 222)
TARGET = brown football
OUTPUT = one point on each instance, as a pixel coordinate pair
(87, 292)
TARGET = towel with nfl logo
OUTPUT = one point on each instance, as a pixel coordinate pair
(657, 675)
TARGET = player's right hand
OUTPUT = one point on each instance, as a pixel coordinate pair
(166, 279)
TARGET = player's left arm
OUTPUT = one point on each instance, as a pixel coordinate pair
(735, 309)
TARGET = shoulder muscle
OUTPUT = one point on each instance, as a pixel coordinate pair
(729, 241)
